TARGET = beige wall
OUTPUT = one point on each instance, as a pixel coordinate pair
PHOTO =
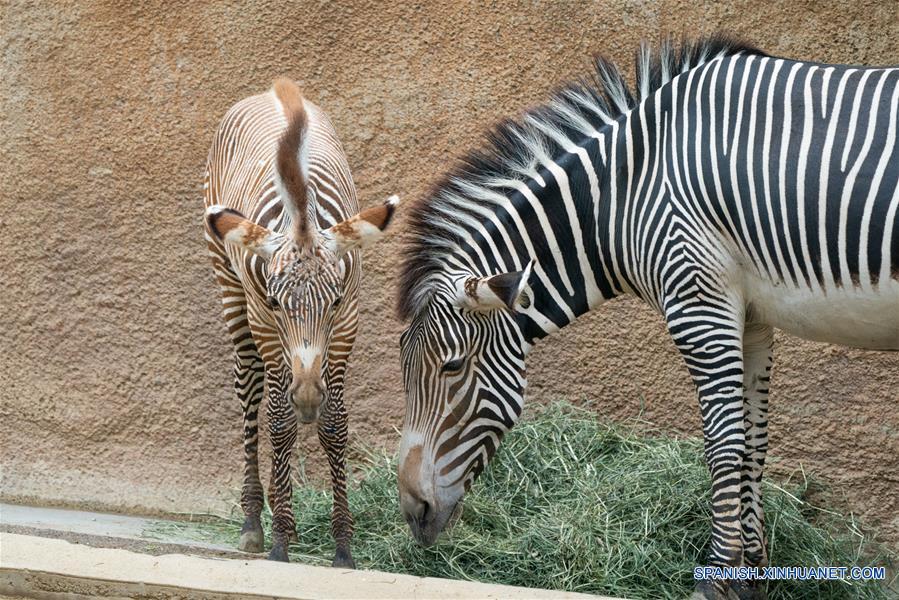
(116, 383)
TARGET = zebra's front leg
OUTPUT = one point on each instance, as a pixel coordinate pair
(711, 345)
(282, 424)
(758, 343)
(249, 383)
(249, 379)
(332, 433)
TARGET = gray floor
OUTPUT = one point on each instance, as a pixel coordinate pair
(75, 524)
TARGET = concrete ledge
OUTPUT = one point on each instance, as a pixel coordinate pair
(38, 567)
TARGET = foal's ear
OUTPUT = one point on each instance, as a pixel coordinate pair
(232, 227)
(506, 290)
(360, 230)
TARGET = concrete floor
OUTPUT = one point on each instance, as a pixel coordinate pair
(56, 554)
(101, 529)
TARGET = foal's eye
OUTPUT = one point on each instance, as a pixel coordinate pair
(336, 303)
(452, 366)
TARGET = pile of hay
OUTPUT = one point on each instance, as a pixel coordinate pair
(573, 504)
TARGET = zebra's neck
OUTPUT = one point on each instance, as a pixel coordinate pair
(578, 238)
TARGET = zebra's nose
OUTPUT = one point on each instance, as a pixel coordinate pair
(307, 400)
(413, 507)
(412, 500)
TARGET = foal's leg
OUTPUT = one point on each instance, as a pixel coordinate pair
(708, 331)
(282, 425)
(249, 380)
(332, 433)
(758, 343)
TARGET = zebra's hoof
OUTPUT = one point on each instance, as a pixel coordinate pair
(343, 560)
(251, 541)
(279, 553)
(715, 596)
(742, 589)
(712, 590)
(251, 537)
(344, 563)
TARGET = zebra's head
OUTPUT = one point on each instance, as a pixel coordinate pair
(304, 289)
(464, 378)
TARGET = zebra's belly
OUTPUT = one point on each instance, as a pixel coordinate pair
(856, 317)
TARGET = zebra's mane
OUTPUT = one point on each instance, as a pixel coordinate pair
(516, 148)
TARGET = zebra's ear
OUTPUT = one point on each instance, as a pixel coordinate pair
(232, 227)
(506, 290)
(360, 230)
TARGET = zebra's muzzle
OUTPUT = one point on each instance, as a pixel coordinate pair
(426, 511)
(426, 521)
(307, 399)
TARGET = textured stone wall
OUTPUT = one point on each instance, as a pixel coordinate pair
(116, 385)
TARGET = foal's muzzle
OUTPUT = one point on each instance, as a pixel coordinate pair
(307, 397)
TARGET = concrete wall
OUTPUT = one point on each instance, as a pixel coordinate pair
(116, 385)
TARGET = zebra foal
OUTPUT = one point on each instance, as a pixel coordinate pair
(734, 193)
(283, 233)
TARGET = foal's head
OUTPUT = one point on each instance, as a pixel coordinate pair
(304, 289)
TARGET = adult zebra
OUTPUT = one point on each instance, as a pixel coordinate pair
(289, 274)
(739, 193)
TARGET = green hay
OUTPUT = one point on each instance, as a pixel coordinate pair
(573, 504)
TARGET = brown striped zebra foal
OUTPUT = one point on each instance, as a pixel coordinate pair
(282, 236)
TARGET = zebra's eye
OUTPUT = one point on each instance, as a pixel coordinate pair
(452, 366)
(273, 303)
(336, 303)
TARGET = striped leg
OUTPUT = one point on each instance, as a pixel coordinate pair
(332, 433)
(709, 334)
(758, 342)
(249, 377)
(282, 426)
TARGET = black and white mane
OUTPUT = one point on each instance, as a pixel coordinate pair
(516, 147)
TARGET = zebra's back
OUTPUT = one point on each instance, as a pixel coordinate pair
(240, 170)
(796, 166)
(240, 174)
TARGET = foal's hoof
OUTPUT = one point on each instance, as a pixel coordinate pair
(343, 560)
(279, 553)
(251, 541)
(748, 590)
(251, 537)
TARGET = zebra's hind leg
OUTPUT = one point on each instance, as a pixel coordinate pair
(758, 343)
(708, 332)
(282, 425)
(332, 433)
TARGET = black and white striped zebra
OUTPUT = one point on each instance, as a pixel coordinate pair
(737, 193)
(283, 233)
